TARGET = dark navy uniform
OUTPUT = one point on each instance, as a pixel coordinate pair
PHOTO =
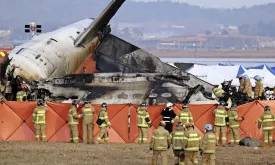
(168, 115)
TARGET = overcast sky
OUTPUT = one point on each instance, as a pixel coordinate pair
(223, 3)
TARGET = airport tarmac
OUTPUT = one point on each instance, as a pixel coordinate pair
(246, 62)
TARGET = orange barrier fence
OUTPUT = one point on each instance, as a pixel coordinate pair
(16, 120)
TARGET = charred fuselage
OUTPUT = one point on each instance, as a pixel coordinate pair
(118, 88)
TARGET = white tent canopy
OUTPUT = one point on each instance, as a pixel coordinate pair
(267, 75)
(216, 74)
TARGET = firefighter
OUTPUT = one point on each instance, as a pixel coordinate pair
(234, 125)
(221, 95)
(2, 89)
(218, 92)
(2, 86)
(39, 120)
(103, 115)
(73, 122)
(177, 143)
(267, 123)
(241, 81)
(21, 95)
(160, 143)
(168, 115)
(220, 122)
(185, 116)
(247, 87)
(258, 88)
(8, 90)
(143, 123)
(208, 146)
(191, 144)
(88, 123)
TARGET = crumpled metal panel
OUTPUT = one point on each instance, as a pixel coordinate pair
(117, 55)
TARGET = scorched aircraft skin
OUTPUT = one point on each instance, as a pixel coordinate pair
(53, 61)
(62, 51)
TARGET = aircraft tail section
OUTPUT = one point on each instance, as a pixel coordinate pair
(99, 23)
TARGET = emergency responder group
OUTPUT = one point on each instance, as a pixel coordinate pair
(185, 141)
(245, 92)
(246, 87)
(186, 144)
(87, 115)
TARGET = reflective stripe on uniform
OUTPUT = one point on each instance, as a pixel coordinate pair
(159, 138)
(209, 151)
(217, 115)
(268, 128)
(179, 133)
(160, 147)
(234, 126)
(142, 125)
(191, 148)
(267, 120)
(144, 139)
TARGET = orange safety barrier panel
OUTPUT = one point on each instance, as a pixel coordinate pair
(118, 116)
(16, 120)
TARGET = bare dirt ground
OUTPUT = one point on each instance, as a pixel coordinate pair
(31, 153)
(216, 54)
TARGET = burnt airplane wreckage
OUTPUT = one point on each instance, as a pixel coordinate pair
(128, 74)
(118, 88)
(49, 65)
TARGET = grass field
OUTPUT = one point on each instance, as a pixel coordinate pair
(31, 153)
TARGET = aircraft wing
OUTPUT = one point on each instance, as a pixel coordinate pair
(117, 55)
(99, 23)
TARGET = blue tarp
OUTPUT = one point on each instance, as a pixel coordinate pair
(241, 71)
(220, 64)
(261, 67)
